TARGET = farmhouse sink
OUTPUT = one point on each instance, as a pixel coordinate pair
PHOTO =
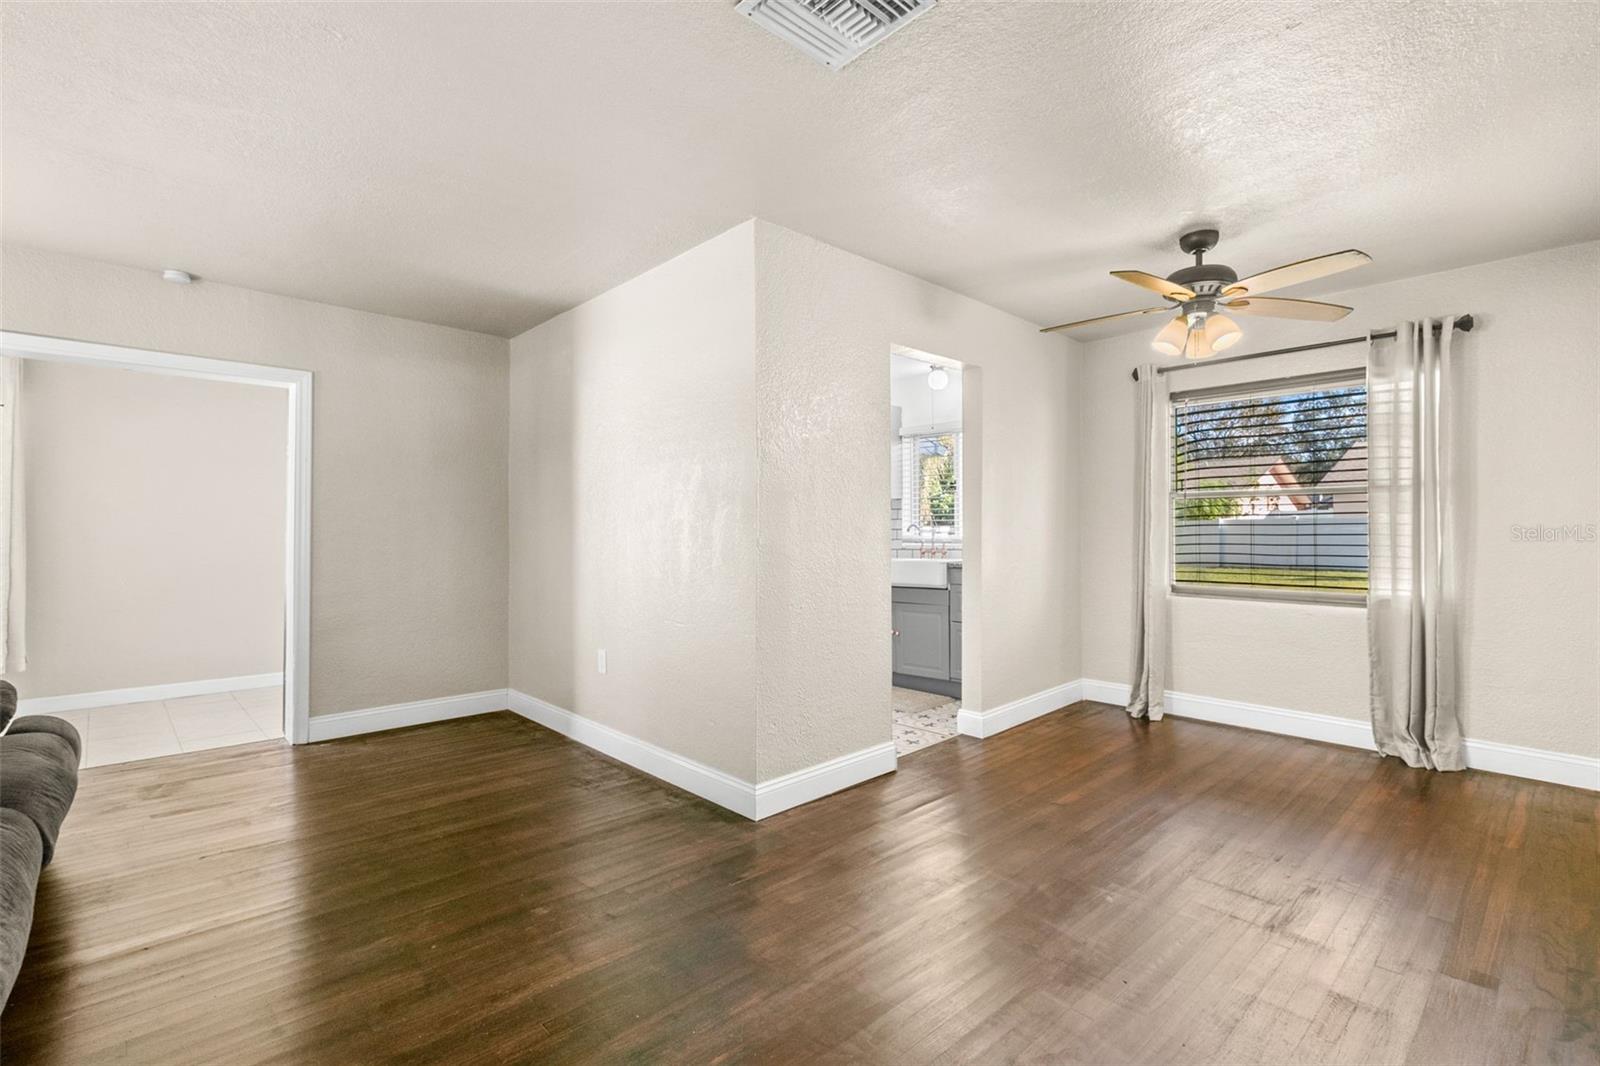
(918, 573)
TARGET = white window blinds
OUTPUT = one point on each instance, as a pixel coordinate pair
(1270, 487)
(931, 487)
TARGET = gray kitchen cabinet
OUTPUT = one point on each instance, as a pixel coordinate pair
(955, 651)
(922, 632)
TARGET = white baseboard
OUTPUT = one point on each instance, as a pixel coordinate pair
(725, 790)
(112, 697)
(998, 719)
(394, 716)
(1104, 692)
(824, 779)
(1532, 763)
(704, 781)
(1553, 766)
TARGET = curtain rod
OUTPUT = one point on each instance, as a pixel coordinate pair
(1464, 323)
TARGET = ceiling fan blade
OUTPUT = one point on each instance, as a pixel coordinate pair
(1278, 307)
(1154, 284)
(1294, 273)
(1106, 318)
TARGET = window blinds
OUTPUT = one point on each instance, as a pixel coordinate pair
(931, 487)
(1269, 487)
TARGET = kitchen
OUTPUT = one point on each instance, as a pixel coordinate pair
(925, 524)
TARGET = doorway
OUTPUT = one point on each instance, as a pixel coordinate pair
(234, 707)
(928, 512)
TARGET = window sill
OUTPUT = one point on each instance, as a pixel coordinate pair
(1323, 597)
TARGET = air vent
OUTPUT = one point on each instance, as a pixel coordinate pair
(833, 32)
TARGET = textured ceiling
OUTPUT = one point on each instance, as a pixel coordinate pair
(490, 165)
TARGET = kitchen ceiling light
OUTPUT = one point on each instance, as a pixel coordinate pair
(177, 277)
(938, 378)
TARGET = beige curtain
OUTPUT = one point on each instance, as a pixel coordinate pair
(1411, 600)
(1151, 547)
(13, 539)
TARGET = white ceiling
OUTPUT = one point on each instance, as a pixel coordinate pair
(490, 165)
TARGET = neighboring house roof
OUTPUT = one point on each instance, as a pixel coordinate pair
(1274, 472)
(1250, 472)
(1350, 469)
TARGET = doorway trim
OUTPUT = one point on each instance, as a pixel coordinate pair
(297, 532)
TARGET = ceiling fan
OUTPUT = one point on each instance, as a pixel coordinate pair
(1200, 293)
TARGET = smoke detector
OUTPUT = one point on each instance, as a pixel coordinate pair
(833, 32)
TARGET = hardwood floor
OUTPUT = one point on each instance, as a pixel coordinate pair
(1080, 889)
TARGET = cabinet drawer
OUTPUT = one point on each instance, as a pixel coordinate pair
(931, 597)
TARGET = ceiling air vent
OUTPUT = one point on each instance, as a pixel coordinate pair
(833, 32)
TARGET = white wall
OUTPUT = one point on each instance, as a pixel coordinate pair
(825, 320)
(633, 507)
(408, 535)
(155, 529)
(1529, 386)
(697, 486)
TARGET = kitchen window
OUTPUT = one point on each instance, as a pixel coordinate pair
(1269, 490)
(931, 464)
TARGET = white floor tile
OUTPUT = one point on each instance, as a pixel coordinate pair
(269, 720)
(203, 743)
(130, 720)
(133, 731)
(210, 699)
(79, 719)
(216, 720)
(260, 697)
(106, 750)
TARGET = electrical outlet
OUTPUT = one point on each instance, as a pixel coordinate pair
(600, 660)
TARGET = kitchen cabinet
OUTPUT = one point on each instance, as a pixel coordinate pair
(922, 632)
(927, 636)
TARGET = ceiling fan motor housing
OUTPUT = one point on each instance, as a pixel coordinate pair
(1203, 279)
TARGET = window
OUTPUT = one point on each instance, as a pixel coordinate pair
(1269, 489)
(932, 486)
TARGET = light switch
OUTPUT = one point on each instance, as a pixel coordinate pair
(600, 660)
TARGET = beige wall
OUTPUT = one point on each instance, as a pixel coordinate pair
(698, 487)
(408, 589)
(633, 503)
(826, 321)
(1529, 385)
(155, 529)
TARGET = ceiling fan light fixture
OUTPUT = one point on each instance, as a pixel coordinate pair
(1198, 347)
(1170, 340)
(1198, 292)
(1221, 332)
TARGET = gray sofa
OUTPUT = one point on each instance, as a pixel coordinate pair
(38, 778)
